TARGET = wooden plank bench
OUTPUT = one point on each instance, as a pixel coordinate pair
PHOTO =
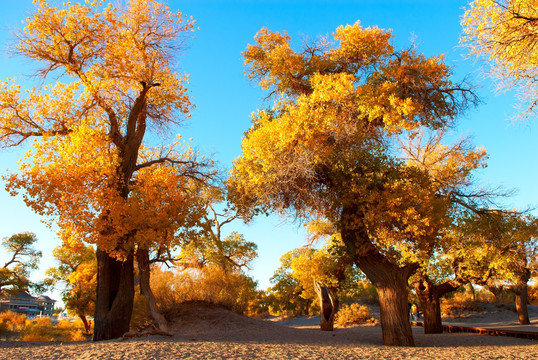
(533, 335)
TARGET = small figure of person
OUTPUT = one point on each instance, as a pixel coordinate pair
(414, 312)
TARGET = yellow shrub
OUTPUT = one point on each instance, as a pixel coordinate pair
(42, 329)
(458, 305)
(11, 322)
(353, 314)
(209, 284)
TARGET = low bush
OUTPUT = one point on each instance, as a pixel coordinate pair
(11, 323)
(14, 325)
(43, 329)
(459, 305)
(353, 314)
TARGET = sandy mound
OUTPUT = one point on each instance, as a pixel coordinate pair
(200, 321)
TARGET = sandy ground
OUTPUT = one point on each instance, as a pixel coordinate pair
(207, 332)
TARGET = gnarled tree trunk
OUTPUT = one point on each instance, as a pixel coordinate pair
(521, 291)
(498, 293)
(430, 295)
(328, 306)
(390, 280)
(392, 288)
(115, 293)
(142, 257)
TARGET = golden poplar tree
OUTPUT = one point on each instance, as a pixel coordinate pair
(108, 79)
(324, 149)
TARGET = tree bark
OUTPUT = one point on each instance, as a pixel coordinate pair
(142, 257)
(390, 280)
(431, 306)
(115, 293)
(521, 291)
(328, 306)
(393, 291)
(87, 325)
(429, 296)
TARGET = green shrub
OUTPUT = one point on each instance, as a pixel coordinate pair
(354, 314)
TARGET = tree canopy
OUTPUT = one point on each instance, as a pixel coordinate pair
(504, 33)
(22, 258)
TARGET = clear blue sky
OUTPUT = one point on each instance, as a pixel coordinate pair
(224, 97)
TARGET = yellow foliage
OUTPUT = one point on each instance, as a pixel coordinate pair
(505, 33)
(533, 293)
(11, 322)
(353, 314)
(210, 284)
(42, 329)
(322, 143)
(39, 329)
(88, 168)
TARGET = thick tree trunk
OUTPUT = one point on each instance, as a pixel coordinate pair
(142, 257)
(328, 306)
(521, 306)
(115, 292)
(430, 295)
(395, 324)
(431, 306)
(392, 288)
(521, 291)
(389, 279)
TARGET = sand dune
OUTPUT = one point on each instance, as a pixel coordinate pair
(209, 332)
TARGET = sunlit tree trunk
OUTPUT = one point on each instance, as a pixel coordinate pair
(521, 291)
(328, 304)
(115, 294)
(390, 280)
(431, 306)
(429, 296)
(392, 288)
(115, 278)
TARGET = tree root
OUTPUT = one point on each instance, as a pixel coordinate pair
(153, 331)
